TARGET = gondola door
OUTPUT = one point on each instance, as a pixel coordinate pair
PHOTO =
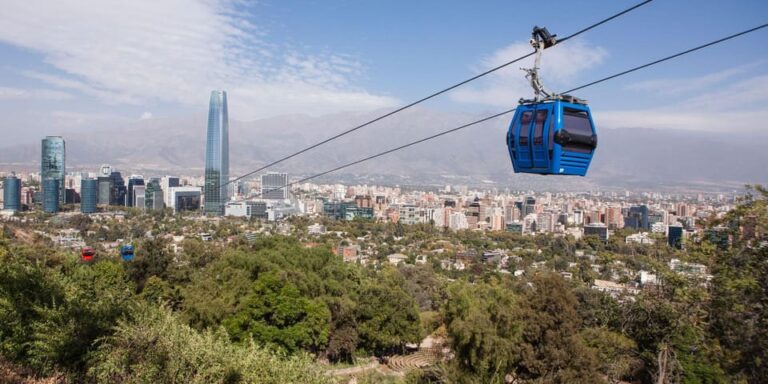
(523, 133)
(540, 136)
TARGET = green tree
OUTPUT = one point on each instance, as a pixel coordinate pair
(616, 352)
(276, 313)
(343, 339)
(388, 316)
(95, 297)
(551, 348)
(155, 347)
(484, 332)
(740, 291)
(152, 259)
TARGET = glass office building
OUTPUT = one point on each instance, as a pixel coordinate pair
(273, 186)
(50, 195)
(12, 193)
(153, 195)
(117, 190)
(105, 190)
(52, 164)
(217, 155)
(186, 201)
(133, 182)
(89, 195)
(675, 236)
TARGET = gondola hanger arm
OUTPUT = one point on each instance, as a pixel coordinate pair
(541, 39)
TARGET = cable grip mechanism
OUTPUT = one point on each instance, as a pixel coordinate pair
(541, 39)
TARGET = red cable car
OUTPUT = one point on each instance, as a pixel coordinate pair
(87, 254)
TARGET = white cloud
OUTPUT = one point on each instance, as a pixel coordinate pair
(109, 97)
(560, 66)
(8, 93)
(145, 51)
(677, 86)
(739, 106)
(750, 92)
(146, 116)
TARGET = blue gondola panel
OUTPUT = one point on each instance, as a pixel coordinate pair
(552, 137)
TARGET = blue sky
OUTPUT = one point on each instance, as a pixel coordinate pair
(79, 65)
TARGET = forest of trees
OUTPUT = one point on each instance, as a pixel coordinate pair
(280, 308)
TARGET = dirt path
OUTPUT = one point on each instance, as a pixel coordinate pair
(353, 370)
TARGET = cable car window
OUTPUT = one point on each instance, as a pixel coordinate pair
(538, 131)
(578, 127)
(525, 122)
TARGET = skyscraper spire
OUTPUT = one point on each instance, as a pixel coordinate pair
(217, 155)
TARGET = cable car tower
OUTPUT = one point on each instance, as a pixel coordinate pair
(551, 134)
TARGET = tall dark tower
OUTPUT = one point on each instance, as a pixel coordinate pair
(52, 164)
(217, 155)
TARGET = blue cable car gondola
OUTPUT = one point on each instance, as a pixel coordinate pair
(126, 252)
(553, 134)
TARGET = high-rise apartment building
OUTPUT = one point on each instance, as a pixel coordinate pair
(12, 193)
(473, 213)
(529, 207)
(614, 218)
(52, 164)
(217, 155)
(273, 186)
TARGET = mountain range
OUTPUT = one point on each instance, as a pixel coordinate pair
(625, 158)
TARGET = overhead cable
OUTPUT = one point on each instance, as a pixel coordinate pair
(433, 95)
(443, 133)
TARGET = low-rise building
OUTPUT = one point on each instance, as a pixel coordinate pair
(640, 238)
(615, 290)
(397, 258)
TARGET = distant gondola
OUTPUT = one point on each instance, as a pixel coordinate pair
(87, 253)
(551, 134)
(126, 252)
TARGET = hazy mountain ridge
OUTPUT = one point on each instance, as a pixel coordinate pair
(625, 156)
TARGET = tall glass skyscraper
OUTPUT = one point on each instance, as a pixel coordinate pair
(217, 155)
(12, 193)
(89, 195)
(50, 195)
(118, 189)
(52, 163)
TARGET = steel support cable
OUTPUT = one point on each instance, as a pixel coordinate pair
(433, 95)
(718, 41)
